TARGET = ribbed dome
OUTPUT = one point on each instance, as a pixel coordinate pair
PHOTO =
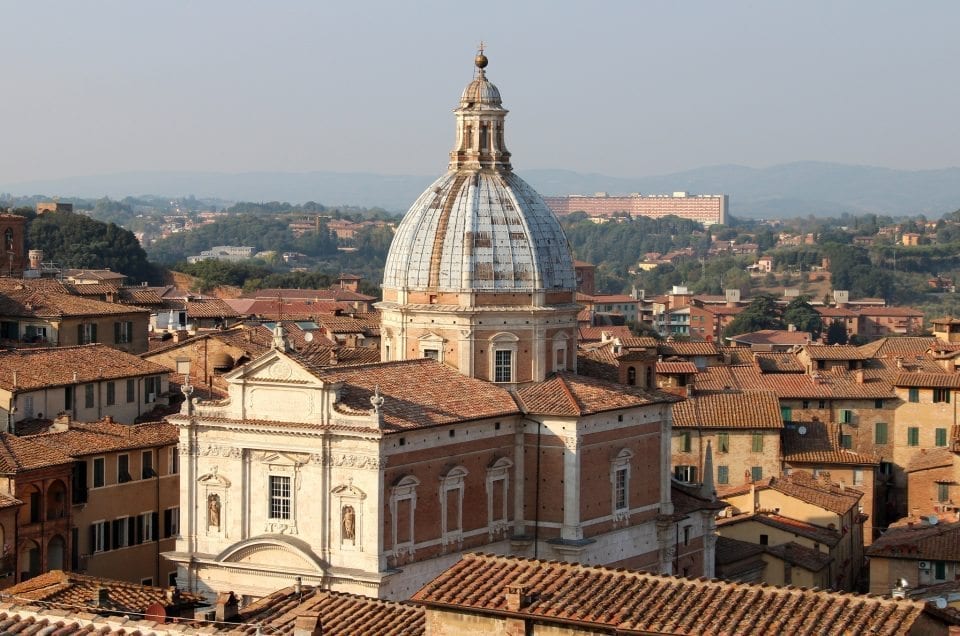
(479, 230)
(480, 91)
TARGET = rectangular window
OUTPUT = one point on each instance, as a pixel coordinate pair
(86, 333)
(122, 332)
(941, 437)
(880, 433)
(822, 404)
(88, 396)
(846, 441)
(131, 390)
(756, 443)
(99, 472)
(723, 443)
(878, 404)
(99, 536)
(111, 393)
(146, 465)
(685, 442)
(886, 468)
(786, 413)
(123, 469)
(723, 474)
(173, 460)
(120, 532)
(149, 524)
(764, 539)
(756, 473)
(913, 395)
(913, 436)
(68, 397)
(857, 476)
(941, 395)
(433, 354)
(806, 404)
(686, 474)
(503, 366)
(943, 493)
(151, 387)
(620, 493)
(171, 522)
(279, 497)
(846, 416)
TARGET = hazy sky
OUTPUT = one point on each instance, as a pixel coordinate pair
(627, 88)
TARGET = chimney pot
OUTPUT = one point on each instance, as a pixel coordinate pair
(308, 624)
(516, 597)
(228, 607)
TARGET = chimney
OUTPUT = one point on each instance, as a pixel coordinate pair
(334, 359)
(61, 423)
(516, 597)
(308, 624)
(180, 335)
(171, 596)
(228, 607)
(791, 327)
(899, 360)
(858, 374)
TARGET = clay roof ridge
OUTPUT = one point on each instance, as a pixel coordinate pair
(569, 394)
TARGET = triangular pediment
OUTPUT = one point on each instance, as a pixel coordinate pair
(275, 367)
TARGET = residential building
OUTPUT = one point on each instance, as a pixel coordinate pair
(815, 501)
(12, 234)
(86, 382)
(742, 431)
(708, 209)
(933, 482)
(125, 494)
(51, 317)
(924, 552)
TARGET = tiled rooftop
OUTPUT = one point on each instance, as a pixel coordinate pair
(778, 362)
(922, 541)
(820, 444)
(800, 555)
(834, 352)
(815, 533)
(773, 337)
(67, 590)
(56, 366)
(107, 436)
(675, 368)
(341, 614)
(690, 348)
(803, 486)
(898, 346)
(928, 380)
(604, 599)
(835, 385)
(931, 458)
(755, 410)
(419, 393)
(570, 395)
(18, 454)
(27, 303)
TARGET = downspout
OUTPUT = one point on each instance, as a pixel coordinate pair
(157, 529)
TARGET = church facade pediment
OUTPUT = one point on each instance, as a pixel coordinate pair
(273, 551)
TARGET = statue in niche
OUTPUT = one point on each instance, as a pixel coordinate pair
(213, 511)
(349, 523)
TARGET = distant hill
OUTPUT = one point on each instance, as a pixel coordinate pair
(801, 188)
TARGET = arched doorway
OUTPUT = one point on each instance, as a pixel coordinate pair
(29, 560)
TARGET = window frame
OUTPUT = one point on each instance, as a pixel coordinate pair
(756, 442)
(277, 501)
(123, 476)
(723, 474)
(880, 433)
(913, 436)
(102, 462)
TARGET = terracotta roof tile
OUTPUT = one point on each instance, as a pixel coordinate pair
(773, 336)
(322, 355)
(928, 380)
(55, 366)
(209, 308)
(28, 303)
(894, 312)
(800, 555)
(820, 444)
(332, 293)
(67, 590)
(18, 454)
(898, 346)
(604, 599)
(778, 362)
(595, 334)
(839, 385)
(799, 528)
(803, 486)
(834, 352)
(757, 410)
(689, 348)
(341, 614)
(673, 368)
(732, 550)
(931, 458)
(419, 393)
(106, 436)
(571, 395)
(940, 542)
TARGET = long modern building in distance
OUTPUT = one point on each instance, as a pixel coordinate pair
(705, 208)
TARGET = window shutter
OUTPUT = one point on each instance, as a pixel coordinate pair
(106, 535)
(93, 333)
(116, 333)
(79, 334)
(155, 525)
(93, 538)
(167, 522)
(139, 528)
(131, 532)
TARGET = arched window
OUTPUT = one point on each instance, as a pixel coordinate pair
(503, 357)
(451, 504)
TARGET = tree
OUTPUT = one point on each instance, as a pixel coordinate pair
(800, 313)
(761, 313)
(837, 333)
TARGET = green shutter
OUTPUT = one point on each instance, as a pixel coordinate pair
(880, 433)
(913, 436)
(941, 437)
(723, 475)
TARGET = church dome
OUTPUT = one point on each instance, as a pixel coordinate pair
(480, 226)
